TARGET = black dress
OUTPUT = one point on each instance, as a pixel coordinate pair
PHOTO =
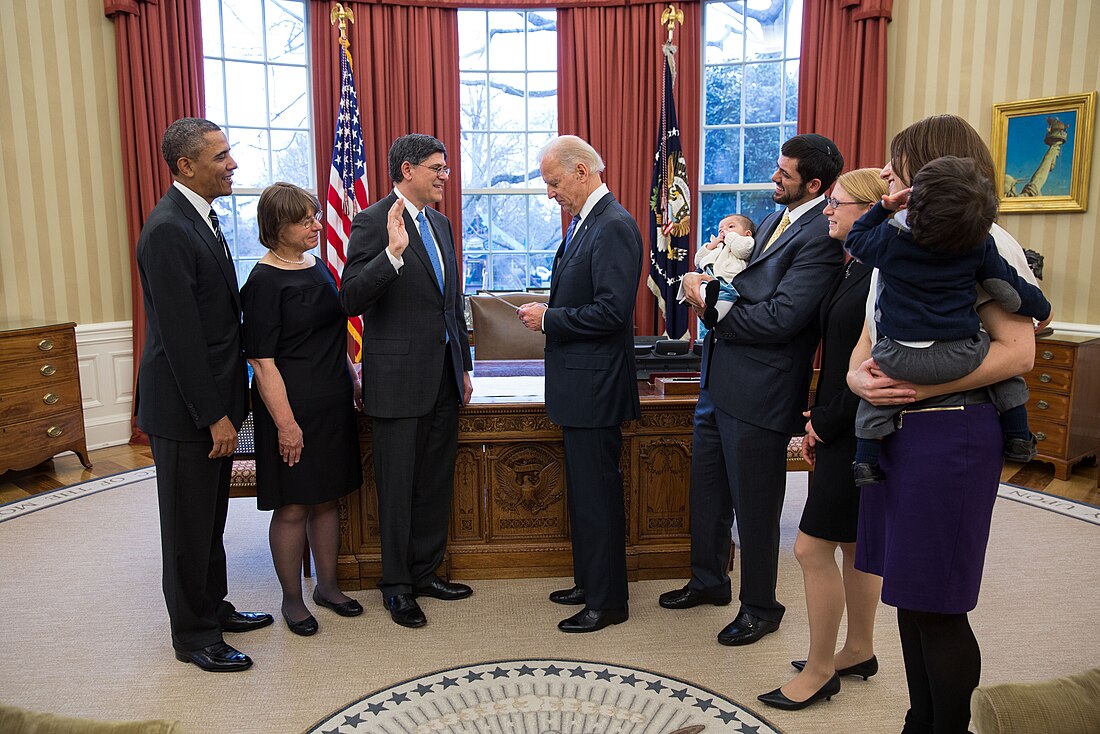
(294, 317)
(832, 506)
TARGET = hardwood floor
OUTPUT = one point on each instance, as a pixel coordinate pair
(66, 470)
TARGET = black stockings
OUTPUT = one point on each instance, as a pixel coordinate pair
(942, 667)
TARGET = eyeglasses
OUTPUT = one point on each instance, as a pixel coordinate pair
(836, 203)
(438, 169)
(308, 222)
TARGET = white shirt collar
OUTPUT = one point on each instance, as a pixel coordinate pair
(801, 209)
(600, 192)
(202, 206)
(409, 207)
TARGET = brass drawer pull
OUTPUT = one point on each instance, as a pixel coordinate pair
(47, 370)
(54, 431)
(49, 398)
(1042, 405)
(45, 345)
(1044, 377)
(1040, 436)
(1046, 354)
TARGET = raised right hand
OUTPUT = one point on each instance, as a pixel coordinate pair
(395, 228)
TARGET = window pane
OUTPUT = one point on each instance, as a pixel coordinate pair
(291, 159)
(210, 11)
(794, 28)
(542, 102)
(715, 206)
(757, 205)
(507, 159)
(475, 160)
(761, 153)
(289, 104)
(475, 272)
(248, 236)
(244, 269)
(251, 151)
(244, 33)
(539, 267)
(723, 156)
(286, 31)
(763, 87)
(474, 102)
(542, 41)
(224, 207)
(509, 272)
(725, 32)
(545, 224)
(506, 41)
(215, 91)
(790, 111)
(475, 223)
(471, 40)
(765, 32)
(723, 103)
(246, 94)
(507, 106)
(535, 143)
(509, 224)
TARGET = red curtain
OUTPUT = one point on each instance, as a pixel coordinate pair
(610, 73)
(405, 62)
(160, 79)
(842, 77)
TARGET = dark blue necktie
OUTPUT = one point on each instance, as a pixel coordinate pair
(429, 245)
(569, 232)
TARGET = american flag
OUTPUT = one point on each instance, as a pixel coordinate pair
(347, 188)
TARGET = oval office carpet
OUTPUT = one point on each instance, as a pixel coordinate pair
(84, 633)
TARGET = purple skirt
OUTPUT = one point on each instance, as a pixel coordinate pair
(925, 529)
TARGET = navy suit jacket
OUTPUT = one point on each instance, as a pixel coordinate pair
(192, 369)
(591, 380)
(406, 318)
(757, 360)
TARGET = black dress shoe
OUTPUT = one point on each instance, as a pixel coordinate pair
(216, 658)
(405, 611)
(568, 596)
(778, 700)
(437, 588)
(349, 608)
(245, 621)
(591, 620)
(305, 627)
(865, 473)
(746, 629)
(864, 670)
(687, 597)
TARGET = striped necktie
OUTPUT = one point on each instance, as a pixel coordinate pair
(218, 233)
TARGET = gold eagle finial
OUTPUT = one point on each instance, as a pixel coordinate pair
(670, 17)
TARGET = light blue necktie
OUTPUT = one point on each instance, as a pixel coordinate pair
(429, 245)
(569, 232)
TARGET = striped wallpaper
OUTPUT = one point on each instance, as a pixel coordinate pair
(63, 249)
(962, 57)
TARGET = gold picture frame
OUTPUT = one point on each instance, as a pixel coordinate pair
(1042, 151)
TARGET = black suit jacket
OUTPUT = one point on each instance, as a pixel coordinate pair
(192, 370)
(406, 319)
(757, 360)
(591, 380)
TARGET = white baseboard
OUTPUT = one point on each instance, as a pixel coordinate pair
(105, 354)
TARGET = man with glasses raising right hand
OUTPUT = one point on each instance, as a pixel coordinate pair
(403, 276)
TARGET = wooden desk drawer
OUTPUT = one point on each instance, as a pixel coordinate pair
(1042, 378)
(42, 373)
(30, 442)
(1057, 355)
(1052, 437)
(21, 405)
(32, 346)
(1048, 406)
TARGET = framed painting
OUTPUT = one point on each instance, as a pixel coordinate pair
(1042, 150)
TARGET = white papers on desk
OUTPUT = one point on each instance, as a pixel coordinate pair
(508, 387)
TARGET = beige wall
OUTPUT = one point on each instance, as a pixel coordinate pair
(63, 249)
(961, 58)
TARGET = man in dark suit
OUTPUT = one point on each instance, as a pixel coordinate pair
(755, 382)
(191, 390)
(403, 276)
(591, 382)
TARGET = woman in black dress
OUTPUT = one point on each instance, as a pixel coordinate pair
(307, 451)
(832, 506)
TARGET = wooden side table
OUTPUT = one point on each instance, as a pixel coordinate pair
(41, 414)
(1064, 406)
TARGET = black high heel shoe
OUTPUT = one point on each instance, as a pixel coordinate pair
(305, 627)
(863, 670)
(778, 700)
